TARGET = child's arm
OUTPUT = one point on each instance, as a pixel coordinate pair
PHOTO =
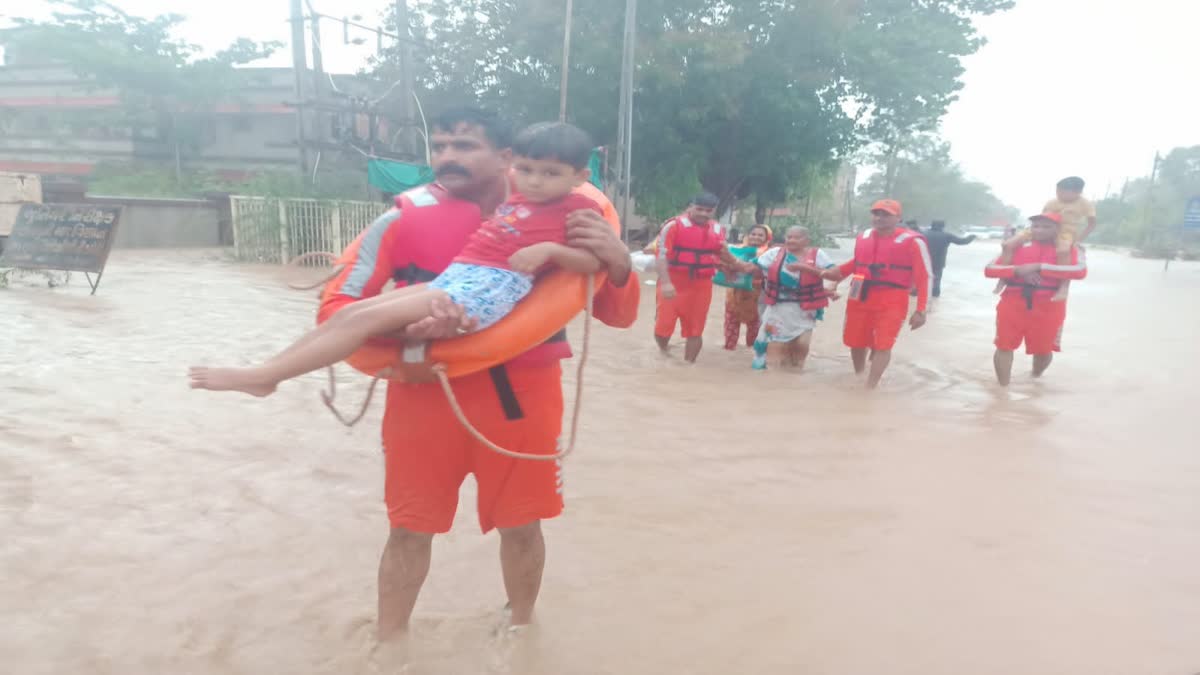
(532, 258)
(1091, 227)
(576, 260)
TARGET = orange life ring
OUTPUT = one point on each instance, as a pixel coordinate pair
(556, 298)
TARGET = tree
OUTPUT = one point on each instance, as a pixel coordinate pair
(1149, 216)
(932, 187)
(744, 97)
(162, 81)
(903, 64)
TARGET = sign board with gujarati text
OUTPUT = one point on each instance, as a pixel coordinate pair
(1191, 215)
(68, 237)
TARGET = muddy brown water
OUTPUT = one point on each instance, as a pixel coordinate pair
(718, 520)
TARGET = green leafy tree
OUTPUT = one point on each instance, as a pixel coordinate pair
(1147, 216)
(744, 97)
(931, 186)
(163, 81)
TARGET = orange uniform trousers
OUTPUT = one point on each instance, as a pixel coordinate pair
(428, 453)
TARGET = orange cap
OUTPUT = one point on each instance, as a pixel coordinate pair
(889, 205)
(1052, 217)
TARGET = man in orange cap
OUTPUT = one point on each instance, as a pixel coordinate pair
(691, 246)
(888, 261)
(1032, 274)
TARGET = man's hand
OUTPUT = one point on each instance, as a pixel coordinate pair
(530, 259)
(589, 230)
(917, 320)
(668, 290)
(832, 274)
(445, 320)
(1027, 270)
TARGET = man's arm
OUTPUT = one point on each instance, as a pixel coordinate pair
(840, 272)
(660, 260)
(1077, 269)
(961, 241)
(367, 267)
(922, 273)
(616, 302)
(1000, 268)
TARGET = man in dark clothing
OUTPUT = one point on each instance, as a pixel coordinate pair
(939, 246)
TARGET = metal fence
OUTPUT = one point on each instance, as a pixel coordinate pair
(272, 230)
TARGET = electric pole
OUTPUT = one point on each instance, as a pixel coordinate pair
(318, 81)
(566, 64)
(404, 59)
(300, 68)
(625, 116)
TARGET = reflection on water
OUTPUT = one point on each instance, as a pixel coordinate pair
(719, 520)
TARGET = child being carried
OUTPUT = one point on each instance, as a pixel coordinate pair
(494, 272)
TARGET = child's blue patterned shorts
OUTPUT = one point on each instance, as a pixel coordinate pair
(487, 294)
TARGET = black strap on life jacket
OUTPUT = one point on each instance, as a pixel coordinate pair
(692, 267)
(411, 274)
(1028, 291)
(504, 391)
(503, 386)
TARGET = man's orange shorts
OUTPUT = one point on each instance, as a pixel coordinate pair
(428, 453)
(1039, 328)
(689, 308)
(876, 323)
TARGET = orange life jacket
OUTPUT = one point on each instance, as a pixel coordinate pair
(695, 249)
(434, 229)
(1034, 252)
(885, 260)
(810, 293)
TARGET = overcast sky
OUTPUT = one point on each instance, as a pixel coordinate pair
(1086, 87)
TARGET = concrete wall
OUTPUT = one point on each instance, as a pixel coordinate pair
(164, 223)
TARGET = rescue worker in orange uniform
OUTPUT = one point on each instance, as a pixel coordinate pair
(888, 262)
(518, 405)
(1028, 311)
(690, 248)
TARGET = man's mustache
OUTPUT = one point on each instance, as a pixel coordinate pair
(450, 169)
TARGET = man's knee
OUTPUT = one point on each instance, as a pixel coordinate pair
(405, 541)
(522, 535)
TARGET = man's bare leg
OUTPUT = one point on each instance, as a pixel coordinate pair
(692, 349)
(402, 571)
(326, 345)
(1041, 362)
(859, 358)
(522, 559)
(663, 342)
(1003, 362)
(879, 363)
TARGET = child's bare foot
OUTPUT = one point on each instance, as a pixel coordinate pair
(230, 379)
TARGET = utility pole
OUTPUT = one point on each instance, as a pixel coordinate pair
(318, 80)
(404, 54)
(1149, 205)
(300, 68)
(566, 64)
(625, 117)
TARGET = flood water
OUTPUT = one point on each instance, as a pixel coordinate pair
(718, 520)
